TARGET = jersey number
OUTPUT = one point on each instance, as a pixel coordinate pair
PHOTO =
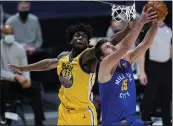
(124, 85)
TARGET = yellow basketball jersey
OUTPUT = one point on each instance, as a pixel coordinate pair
(75, 91)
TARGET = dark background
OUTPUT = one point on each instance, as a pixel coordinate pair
(56, 16)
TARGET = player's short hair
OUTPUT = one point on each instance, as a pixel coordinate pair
(98, 51)
(87, 29)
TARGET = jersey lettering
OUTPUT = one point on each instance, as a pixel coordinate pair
(124, 89)
(119, 79)
(66, 76)
(124, 85)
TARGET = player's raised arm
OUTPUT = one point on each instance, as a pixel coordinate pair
(111, 60)
(42, 65)
(134, 54)
(89, 57)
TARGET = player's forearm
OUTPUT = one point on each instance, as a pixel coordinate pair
(150, 36)
(130, 39)
(120, 35)
(39, 66)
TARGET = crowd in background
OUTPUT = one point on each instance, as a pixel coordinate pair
(22, 40)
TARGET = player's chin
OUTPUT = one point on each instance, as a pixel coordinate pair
(80, 47)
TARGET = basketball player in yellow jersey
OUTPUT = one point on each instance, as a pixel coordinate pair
(75, 70)
(75, 93)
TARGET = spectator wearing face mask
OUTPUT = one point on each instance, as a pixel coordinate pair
(26, 27)
(11, 84)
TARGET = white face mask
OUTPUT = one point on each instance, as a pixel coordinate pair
(9, 39)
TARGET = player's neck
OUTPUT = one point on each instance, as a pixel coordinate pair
(76, 52)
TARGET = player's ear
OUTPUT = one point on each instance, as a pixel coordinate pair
(101, 57)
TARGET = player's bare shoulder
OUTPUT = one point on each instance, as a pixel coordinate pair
(62, 54)
(53, 62)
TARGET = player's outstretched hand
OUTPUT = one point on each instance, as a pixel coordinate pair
(148, 15)
(15, 68)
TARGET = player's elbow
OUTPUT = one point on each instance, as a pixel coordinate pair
(46, 64)
(50, 64)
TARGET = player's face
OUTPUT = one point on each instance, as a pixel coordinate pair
(107, 49)
(80, 40)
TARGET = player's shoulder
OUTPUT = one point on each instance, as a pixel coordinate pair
(62, 54)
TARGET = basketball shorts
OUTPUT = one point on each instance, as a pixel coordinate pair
(133, 120)
(77, 117)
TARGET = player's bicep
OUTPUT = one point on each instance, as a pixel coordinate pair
(135, 54)
(52, 64)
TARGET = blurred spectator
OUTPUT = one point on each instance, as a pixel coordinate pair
(26, 28)
(13, 85)
(115, 27)
(156, 74)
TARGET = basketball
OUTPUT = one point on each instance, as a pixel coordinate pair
(159, 7)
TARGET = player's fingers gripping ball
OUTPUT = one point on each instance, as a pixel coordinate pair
(160, 8)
